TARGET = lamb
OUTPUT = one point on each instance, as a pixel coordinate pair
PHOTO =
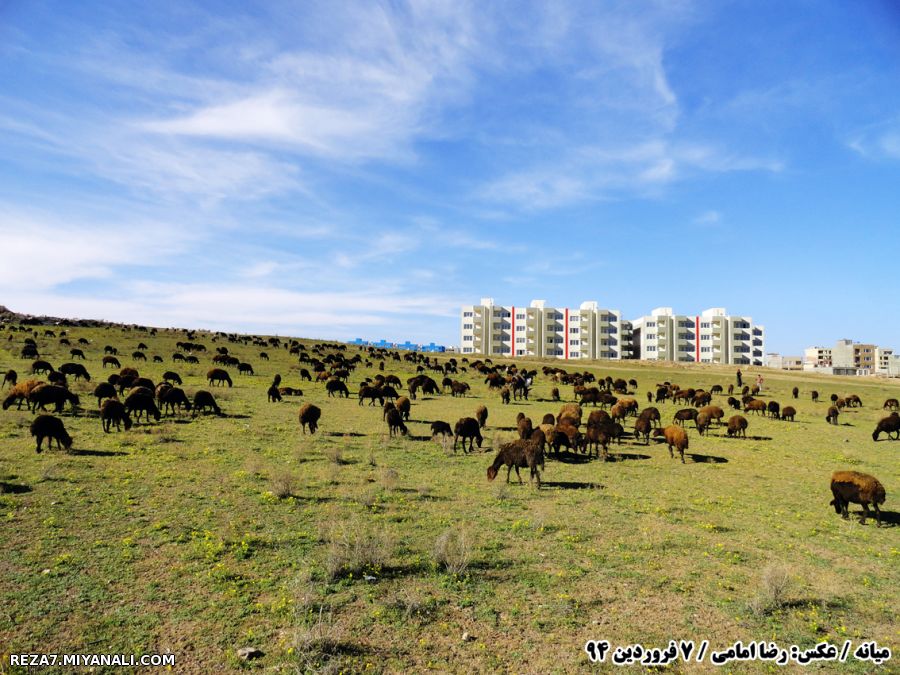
(684, 415)
(481, 414)
(113, 412)
(888, 425)
(20, 393)
(52, 428)
(12, 377)
(218, 375)
(203, 400)
(50, 393)
(467, 427)
(858, 488)
(104, 390)
(676, 437)
(521, 454)
(441, 428)
(140, 403)
(173, 398)
(395, 422)
(832, 416)
(788, 412)
(309, 416)
(737, 426)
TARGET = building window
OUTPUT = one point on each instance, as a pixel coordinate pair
(520, 316)
(573, 330)
(574, 343)
(706, 337)
(467, 338)
(574, 318)
(467, 350)
(574, 355)
(467, 313)
(651, 336)
(467, 326)
(651, 348)
(550, 340)
(704, 324)
(520, 340)
(704, 349)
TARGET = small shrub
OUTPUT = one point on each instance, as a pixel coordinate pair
(774, 584)
(355, 549)
(334, 454)
(446, 443)
(284, 485)
(453, 551)
(389, 479)
(372, 461)
(317, 644)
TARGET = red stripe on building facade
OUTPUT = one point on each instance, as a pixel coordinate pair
(697, 336)
(566, 338)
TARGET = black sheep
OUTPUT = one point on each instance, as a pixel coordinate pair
(48, 426)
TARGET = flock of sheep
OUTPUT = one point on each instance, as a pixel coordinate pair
(612, 407)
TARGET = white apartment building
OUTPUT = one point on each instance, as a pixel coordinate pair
(817, 357)
(712, 336)
(588, 332)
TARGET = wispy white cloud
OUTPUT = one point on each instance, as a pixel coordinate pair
(877, 141)
(708, 218)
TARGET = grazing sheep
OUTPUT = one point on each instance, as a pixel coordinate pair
(676, 437)
(651, 414)
(737, 426)
(834, 398)
(372, 393)
(703, 420)
(684, 415)
(388, 406)
(52, 428)
(304, 375)
(795, 392)
(832, 416)
(525, 427)
(642, 428)
(41, 367)
(218, 375)
(572, 411)
(264, 356)
(58, 378)
(888, 425)
(713, 412)
(858, 488)
(11, 377)
(142, 404)
(203, 401)
(76, 354)
(788, 412)
(459, 388)
(554, 394)
(757, 406)
(290, 391)
(109, 349)
(19, 393)
(481, 414)
(77, 370)
(138, 356)
(245, 369)
(113, 412)
(337, 388)
(467, 427)
(815, 396)
(774, 409)
(854, 401)
(172, 376)
(441, 428)
(395, 422)
(521, 454)
(309, 416)
(173, 398)
(568, 435)
(734, 403)
(104, 390)
(716, 389)
(505, 395)
(404, 406)
(701, 399)
(41, 395)
(890, 404)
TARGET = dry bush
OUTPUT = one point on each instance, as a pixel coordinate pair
(334, 454)
(774, 585)
(389, 479)
(284, 485)
(453, 551)
(446, 443)
(372, 461)
(356, 549)
(317, 643)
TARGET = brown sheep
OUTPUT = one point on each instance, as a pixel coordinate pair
(566, 435)
(833, 414)
(459, 388)
(554, 394)
(141, 403)
(403, 406)
(290, 391)
(815, 396)
(505, 395)
(20, 393)
(737, 426)
(309, 417)
(888, 425)
(113, 412)
(548, 418)
(441, 428)
(104, 390)
(572, 411)
(372, 393)
(795, 392)
(676, 437)
(757, 406)
(684, 415)
(734, 403)
(703, 420)
(788, 412)
(245, 368)
(50, 393)
(521, 454)
(858, 488)
(890, 404)
(337, 388)
(173, 398)
(467, 427)
(203, 400)
(395, 422)
(111, 361)
(713, 412)
(481, 414)
(525, 428)
(218, 376)
(388, 406)
(48, 426)
(642, 428)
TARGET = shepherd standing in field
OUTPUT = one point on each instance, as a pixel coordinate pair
(759, 381)
(739, 381)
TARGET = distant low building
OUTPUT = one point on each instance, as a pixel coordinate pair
(817, 356)
(774, 360)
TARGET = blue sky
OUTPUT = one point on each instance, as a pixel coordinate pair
(362, 169)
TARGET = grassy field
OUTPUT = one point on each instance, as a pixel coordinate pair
(330, 552)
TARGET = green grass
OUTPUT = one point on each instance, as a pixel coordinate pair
(200, 536)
